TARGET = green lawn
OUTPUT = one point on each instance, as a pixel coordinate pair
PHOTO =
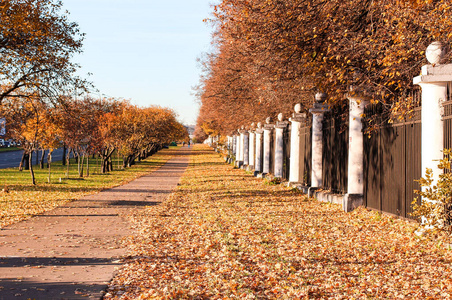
(19, 199)
(6, 149)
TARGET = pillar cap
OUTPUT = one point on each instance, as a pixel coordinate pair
(267, 125)
(320, 97)
(319, 105)
(298, 117)
(297, 108)
(435, 53)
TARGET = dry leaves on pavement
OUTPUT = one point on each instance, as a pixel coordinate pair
(224, 234)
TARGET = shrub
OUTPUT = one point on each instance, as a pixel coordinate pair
(436, 202)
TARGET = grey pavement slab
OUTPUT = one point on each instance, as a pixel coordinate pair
(72, 252)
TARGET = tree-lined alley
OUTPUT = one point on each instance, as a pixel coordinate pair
(47, 106)
(272, 54)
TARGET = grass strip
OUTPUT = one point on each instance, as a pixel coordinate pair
(20, 200)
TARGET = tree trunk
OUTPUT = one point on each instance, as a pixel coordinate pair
(27, 161)
(49, 161)
(105, 157)
(68, 157)
(41, 164)
(22, 161)
(117, 155)
(77, 160)
(87, 166)
(30, 163)
(64, 155)
(80, 166)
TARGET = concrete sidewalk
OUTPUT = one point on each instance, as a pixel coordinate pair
(72, 251)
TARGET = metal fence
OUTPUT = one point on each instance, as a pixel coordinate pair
(447, 118)
(335, 153)
(272, 151)
(306, 152)
(392, 163)
(286, 155)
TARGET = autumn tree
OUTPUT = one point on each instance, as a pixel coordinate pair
(142, 131)
(29, 122)
(37, 43)
(272, 54)
(80, 127)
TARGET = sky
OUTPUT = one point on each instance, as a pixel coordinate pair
(144, 50)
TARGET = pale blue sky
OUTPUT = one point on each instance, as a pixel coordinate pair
(144, 50)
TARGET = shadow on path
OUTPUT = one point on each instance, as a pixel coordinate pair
(71, 252)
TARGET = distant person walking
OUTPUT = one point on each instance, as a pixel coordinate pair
(188, 144)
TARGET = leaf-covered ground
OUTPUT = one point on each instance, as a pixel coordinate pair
(224, 234)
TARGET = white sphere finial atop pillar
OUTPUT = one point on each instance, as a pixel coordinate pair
(297, 108)
(435, 53)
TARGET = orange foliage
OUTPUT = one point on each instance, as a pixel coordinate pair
(272, 54)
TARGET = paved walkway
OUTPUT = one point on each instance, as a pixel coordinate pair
(72, 251)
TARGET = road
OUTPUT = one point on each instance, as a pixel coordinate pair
(11, 159)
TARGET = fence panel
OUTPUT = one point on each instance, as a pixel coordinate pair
(335, 154)
(286, 155)
(392, 163)
(393, 160)
(447, 124)
(305, 152)
(413, 165)
(272, 151)
(372, 171)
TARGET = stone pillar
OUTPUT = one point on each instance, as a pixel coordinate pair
(296, 120)
(242, 141)
(228, 148)
(433, 81)
(234, 145)
(246, 148)
(239, 156)
(252, 148)
(317, 139)
(280, 127)
(259, 159)
(355, 184)
(268, 129)
(241, 147)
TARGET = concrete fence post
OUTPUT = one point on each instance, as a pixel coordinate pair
(294, 169)
(239, 156)
(355, 184)
(434, 81)
(258, 162)
(318, 112)
(234, 145)
(280, 127)
(252, 148)
(268, 129)
(246, 148)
